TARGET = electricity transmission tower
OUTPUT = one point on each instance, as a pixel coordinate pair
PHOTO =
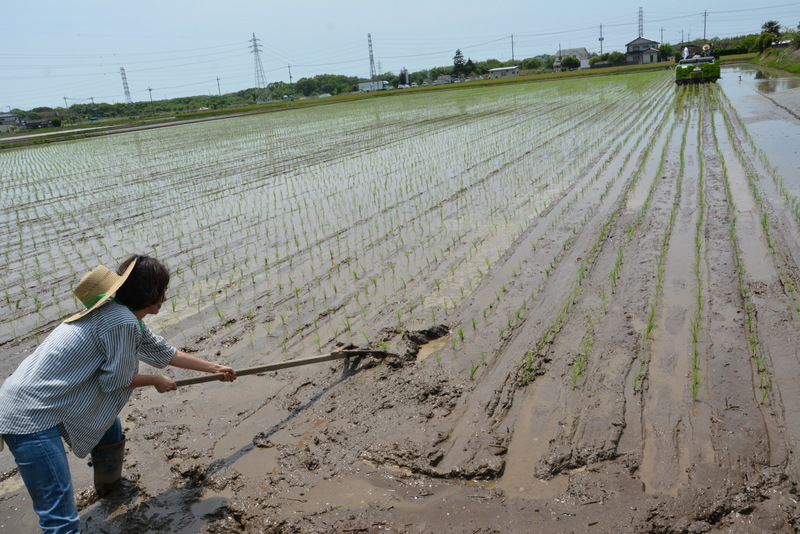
(255, 48)
(125, 86)
(373, 76)
(641, 22)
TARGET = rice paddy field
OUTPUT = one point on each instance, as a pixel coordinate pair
(587, 290)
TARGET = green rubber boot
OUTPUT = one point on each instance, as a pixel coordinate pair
(107, 465)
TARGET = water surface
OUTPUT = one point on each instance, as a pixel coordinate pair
(758, 94)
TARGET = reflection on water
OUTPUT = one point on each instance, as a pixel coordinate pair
(767, 84)
(762, 97)
(763, 79)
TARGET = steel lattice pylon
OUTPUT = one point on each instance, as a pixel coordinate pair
(255, 48)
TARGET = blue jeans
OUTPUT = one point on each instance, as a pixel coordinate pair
(42, 462)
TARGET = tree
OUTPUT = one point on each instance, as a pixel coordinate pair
(278, 89)
(435, 72)
(570, 63)
(469, 68)
(771, 26)
(459, 64)
(666, 51)
(765, 41)
(616, 58)
(531, 63)
(483, 66)
(404, 76)
(326, 83)
(750, 42)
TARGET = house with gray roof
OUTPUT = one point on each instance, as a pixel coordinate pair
(641, 51)
(581, 54)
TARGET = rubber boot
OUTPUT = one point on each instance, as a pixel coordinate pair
(107, 465)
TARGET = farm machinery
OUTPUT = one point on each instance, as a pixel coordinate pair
(697, 69)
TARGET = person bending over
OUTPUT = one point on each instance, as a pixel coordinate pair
(76, 382)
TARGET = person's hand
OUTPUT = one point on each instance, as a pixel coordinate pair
(230, 372)
(164, 384)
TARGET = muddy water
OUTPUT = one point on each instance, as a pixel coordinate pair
(769, 103)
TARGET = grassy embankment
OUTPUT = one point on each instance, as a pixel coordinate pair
(787, 59)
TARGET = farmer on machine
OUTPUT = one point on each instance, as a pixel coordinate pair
(77, 381)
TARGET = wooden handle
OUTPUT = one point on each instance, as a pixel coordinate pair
(337, 355)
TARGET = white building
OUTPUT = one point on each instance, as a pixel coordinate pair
(581, 54)
(504, 72)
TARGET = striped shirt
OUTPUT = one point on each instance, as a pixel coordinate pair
(78, 378)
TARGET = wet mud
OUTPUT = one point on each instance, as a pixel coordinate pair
(629, 365)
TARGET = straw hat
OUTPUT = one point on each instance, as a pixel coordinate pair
(98, 286)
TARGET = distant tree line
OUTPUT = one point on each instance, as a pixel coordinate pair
(772, 34)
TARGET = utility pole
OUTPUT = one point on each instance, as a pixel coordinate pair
(601, 39)
(512, 47)
(662, 36)
(65, 103)
(219, 91)
(705, 18)
(290, 74)
(151, 94)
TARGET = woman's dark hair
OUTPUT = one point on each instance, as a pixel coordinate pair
(146, 284)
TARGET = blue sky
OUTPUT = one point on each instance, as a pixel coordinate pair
(55, 49)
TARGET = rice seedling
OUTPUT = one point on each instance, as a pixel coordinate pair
(473, 367)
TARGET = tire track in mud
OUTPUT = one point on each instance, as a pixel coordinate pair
(768, 283)
(673, 440)
(522, 353)
(603, 326)
(738, 433)
(673, 445)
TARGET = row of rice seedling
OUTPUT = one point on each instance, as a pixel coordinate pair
(655, 300)
(481, 268)
(751, 324)
(588, 260)
(582, 355)
(788, 281)
(507, 321)
(579, 363)
(696, 325)
(297, 214)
